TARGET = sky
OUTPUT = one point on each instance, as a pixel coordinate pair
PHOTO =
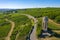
(20, 4)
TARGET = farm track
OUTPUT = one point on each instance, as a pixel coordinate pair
(49, 38)
(58, 31)
(12, 28)
(54, 22)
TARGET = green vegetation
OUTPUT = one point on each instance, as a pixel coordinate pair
(4, 28)
(52, 13)
(39, 27)
(53, 26)
(57, 19)
(23, 24)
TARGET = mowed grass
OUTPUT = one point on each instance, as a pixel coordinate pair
(22, 26)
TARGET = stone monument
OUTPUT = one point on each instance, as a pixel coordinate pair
(45, 23)
(45, 26)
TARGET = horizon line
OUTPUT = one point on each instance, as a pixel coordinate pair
(29, 7)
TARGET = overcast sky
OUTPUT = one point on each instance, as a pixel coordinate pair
(29, 3)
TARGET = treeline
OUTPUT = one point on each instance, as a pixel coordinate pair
(52, 13)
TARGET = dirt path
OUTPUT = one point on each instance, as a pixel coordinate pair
(49, 38)
(17, 36)
(33, 34)
(10, 32)
(45, 39)
(54, 22)
(58, 31)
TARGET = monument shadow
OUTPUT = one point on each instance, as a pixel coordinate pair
(50, 32)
